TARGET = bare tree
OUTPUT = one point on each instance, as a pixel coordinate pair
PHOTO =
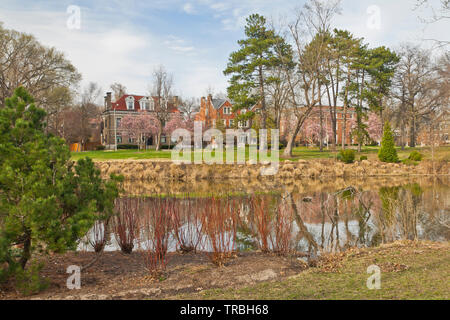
(86, 111)
(118, 89)
(437, 14)
(418, 88)
(188, 107)
(162, 90)
(25, 62)
(308, 32)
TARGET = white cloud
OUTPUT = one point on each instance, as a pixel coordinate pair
(178, 45)
(114, 45)
(189, 8)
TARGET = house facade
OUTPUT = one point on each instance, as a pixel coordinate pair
(135, 105)
(214, 111)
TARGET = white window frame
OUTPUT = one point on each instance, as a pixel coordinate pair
(128, 100)
(226, 110)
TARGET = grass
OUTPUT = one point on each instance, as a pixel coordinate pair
(306, 153)
(409, 270)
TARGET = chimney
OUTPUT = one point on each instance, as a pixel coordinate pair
(202, 101)
(175, 101)
(108, 101)
(209, 98)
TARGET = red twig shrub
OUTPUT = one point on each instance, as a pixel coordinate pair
(125, 223)
(157, 227)
(187, 225)
(99, 235)
(281, 237)
(262, 221)
(219, 222)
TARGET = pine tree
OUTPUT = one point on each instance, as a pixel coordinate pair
(259, 52)
(387, 152)
(47, 203)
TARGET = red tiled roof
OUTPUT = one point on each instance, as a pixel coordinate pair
(120, 104)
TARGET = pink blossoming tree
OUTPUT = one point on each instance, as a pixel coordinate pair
(139, 127)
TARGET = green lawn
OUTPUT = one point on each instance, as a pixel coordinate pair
(306, 153)
(411, 271)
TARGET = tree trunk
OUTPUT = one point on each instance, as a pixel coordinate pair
(26, 254)
(321, 122)
(263, 98)
(344, 115)
(412, 133)
(288, 151)
(158, 140)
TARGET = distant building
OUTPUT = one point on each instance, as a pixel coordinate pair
(287, 123)
(129, 104)
(214, 110)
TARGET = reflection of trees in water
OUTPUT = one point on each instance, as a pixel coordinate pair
(330, 219)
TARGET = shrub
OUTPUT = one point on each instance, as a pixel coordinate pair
(186, 225)
(387, 152)
(347, 155)
(125, 223)
(219, 222)
(158, 213)
(410, 162)
(415, 156)
(127, 146)
(100, 148)
(47, 202)
(362, 158)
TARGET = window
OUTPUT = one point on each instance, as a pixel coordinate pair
(118, 122)
(163, 139)
(130, 140)
(119, 138)
(226, 110)
(145, 104)
(243, 124)
(231, 122)
(224, 122)
(130, 102)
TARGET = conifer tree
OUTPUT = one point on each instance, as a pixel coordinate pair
(387, 152)
(47, 202)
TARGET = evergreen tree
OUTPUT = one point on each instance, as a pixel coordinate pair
(47, 202)
(387, 152)
(259, 52)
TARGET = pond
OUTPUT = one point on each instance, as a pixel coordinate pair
(301, 217)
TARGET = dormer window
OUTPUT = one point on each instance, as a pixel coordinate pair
(130, 102)
(146, 103)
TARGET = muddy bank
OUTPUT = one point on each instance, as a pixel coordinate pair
(192, 276)
(120, 276)
(142, 170)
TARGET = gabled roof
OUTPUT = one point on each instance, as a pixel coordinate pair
(217, 103)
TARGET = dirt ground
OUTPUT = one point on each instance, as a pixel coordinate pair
(120, 276)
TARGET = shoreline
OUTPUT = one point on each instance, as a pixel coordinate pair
(151, 170)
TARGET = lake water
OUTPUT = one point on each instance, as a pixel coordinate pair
(306, 217)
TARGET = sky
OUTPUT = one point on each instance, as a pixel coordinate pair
(124, 41)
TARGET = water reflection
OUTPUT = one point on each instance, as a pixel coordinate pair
(285, 221)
